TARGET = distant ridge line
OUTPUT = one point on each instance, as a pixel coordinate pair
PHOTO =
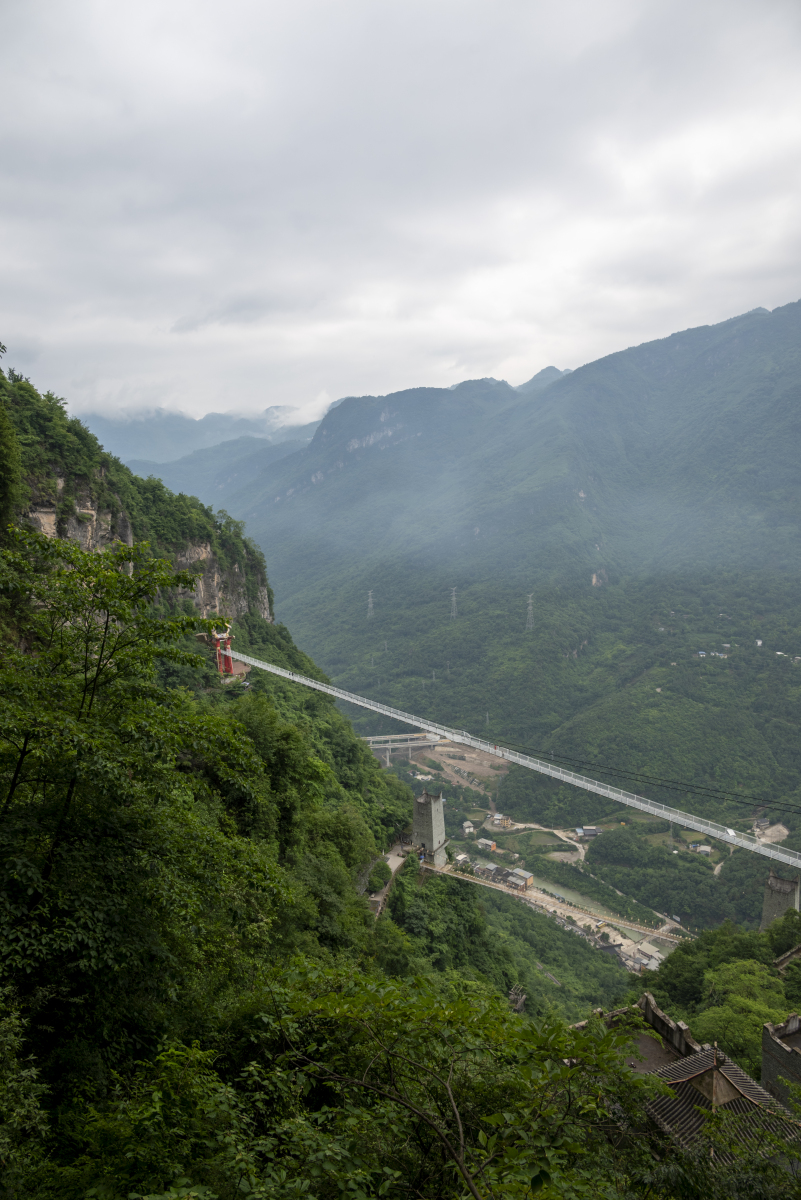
(710, 828)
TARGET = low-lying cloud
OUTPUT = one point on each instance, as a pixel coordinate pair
(223, 208)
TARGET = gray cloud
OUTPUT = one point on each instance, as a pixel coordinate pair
(215, 207)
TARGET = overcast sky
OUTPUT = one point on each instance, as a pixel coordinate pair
(224, 206)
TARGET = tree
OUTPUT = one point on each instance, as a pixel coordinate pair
(10, 470)
(465, 1097)
(118, 873)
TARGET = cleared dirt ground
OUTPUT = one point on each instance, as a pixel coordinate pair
(463, 765)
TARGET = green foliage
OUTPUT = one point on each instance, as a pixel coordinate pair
(120, 882)
(452, 925)
(785, 933)
(682, 884)
(23, 1120)
(379, 876)
(61, 464)
(10, 470)
(678, 984)
(739, 997)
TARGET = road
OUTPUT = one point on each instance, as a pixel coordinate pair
(563, 908)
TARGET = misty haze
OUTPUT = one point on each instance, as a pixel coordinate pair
(400, 592)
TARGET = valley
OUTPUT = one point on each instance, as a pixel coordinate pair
(556, 567)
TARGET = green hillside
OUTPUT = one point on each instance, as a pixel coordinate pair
(674, 453)
(648, 503)
(196, 1000)
(219, 472)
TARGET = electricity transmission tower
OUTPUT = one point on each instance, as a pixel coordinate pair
(453, 603)
(369, 604)
(530, 613)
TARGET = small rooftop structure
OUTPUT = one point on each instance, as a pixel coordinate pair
(703, 1079)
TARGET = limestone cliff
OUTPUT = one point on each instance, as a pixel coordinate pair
(69, 487)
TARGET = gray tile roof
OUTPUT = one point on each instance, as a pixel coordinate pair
(710, 1076)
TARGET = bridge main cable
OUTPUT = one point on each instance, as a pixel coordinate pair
(711, 829)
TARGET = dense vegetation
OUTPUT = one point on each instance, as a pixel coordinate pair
(196, 1000)
(51, 460)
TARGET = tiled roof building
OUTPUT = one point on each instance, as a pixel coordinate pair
(702, 1079)
(710, 1082)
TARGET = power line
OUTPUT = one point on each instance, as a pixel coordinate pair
(369, 604)
(453, 603)
(530, 613)
(703, 825)
(674, 785)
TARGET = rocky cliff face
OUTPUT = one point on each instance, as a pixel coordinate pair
(217, 592)
(90, 526)
(63, 483)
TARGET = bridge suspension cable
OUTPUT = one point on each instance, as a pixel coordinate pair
(711, 829)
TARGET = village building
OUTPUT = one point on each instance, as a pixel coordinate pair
(467, 827)
(485, 844)
(523, 877)
(500, 821)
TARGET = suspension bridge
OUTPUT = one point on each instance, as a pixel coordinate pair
(721, 833)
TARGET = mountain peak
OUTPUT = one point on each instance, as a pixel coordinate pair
(542, 379)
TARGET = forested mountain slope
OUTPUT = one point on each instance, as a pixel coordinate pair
(195, 998)
(660, 457)
(649, 504)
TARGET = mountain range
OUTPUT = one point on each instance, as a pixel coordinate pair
(634, 513)
(152, 438)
